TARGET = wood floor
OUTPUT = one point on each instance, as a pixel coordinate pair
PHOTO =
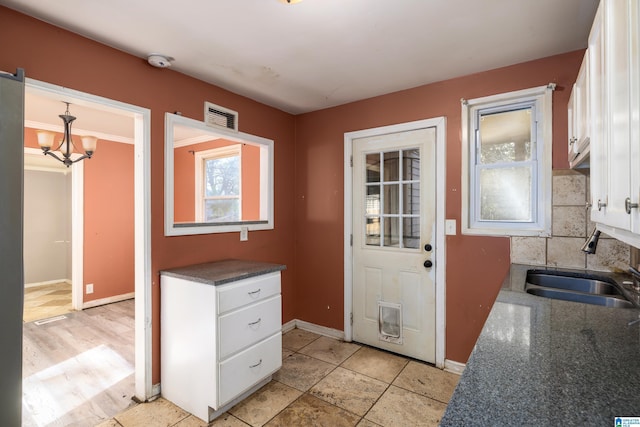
(41, 302)
(79, 371)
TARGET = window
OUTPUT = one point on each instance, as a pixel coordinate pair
(218, 195)
(506, 152)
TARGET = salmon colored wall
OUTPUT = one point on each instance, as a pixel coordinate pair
(108, 218)
(184, 182)
(50, 54)
(476, 266)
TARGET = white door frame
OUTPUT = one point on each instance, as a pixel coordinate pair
(144, 389)
(440, 250)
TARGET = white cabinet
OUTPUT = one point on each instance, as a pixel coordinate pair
(221, 338)
(615, 94)
(578, 116)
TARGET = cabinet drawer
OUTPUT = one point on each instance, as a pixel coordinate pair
(245, 327)
(242, 371)
(247, 291)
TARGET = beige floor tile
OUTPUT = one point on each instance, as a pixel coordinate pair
(265, 404)
(302, 372)
(366, 423)
(311, 411)
(109, 423)
(349, 390)
(159, 413)
(427, 381)
(376, 364)
(286, 353)
(192, 421)
(228, 420)
(399, 407)
(295, 339)
(330, 350)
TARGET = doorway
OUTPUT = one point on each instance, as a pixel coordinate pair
(139, 129)
(48, 253)
(394, 226)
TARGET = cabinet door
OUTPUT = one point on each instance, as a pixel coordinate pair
(617, 70)
(598, 145)
(571, 125)
(581, 110)
(634, 147)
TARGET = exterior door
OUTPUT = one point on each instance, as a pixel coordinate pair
(394, 195)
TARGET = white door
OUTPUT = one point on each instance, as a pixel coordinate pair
(394, 197)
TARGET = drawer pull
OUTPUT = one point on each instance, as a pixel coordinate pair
(256, 322)
(256, 365)
(254, 292)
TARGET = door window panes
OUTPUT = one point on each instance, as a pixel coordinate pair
(392, 205)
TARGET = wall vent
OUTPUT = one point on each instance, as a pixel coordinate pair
(220, 117)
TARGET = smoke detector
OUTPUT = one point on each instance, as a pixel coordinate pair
(159, 61)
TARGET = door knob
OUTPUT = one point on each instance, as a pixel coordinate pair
(428, 264)
(428, 247)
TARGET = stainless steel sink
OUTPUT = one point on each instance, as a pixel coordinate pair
(577, 288)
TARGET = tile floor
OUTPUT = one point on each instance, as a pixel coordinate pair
(324, 382)
(42, 302)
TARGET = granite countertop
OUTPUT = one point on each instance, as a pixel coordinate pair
(541, 361)
(221, 272)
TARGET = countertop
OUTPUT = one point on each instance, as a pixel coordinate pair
(221, 272)
(541, 361)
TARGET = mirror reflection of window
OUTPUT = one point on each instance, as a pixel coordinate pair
(218, 195)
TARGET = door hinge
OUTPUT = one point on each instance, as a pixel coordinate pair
(351, 240)
(351, 318)
(351, 161)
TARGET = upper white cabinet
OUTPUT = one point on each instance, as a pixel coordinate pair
(614, 88)
(578, 110)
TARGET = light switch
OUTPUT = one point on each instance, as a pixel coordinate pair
(450, 227)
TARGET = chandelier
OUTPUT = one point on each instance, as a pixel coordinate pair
(66, 146)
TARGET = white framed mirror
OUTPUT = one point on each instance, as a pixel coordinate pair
(216, 180)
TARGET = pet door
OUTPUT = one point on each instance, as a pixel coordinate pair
(390, 322)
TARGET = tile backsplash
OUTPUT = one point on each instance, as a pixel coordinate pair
(570, 227)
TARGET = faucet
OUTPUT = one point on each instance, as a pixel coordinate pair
(591, 243)
(635, 274)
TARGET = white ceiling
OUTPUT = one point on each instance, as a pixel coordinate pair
(321, 53)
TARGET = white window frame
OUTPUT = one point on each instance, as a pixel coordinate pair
(214, 153)
(541, 99)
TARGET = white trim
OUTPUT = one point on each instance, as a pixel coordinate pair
(142, 219)
(542, 98)
(108, 300)
(45, 283)
(77, 235)
(440, 242)
(454, 367)
(320, 330)
(290, 325)
(266, 179)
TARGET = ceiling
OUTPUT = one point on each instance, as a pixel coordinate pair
(322, 53)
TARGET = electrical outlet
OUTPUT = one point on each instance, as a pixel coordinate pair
(244, 234)
(89, 288)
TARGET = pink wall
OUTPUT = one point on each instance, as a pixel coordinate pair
(46, 52)
(475, 266)
(184, 183)
(309, 194)
(108, 218)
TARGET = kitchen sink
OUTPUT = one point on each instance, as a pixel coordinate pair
(578, 288)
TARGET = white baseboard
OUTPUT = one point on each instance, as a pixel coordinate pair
(454, 367)
(108, 300)
(312, 327)
(48, 282)
(291, 324)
